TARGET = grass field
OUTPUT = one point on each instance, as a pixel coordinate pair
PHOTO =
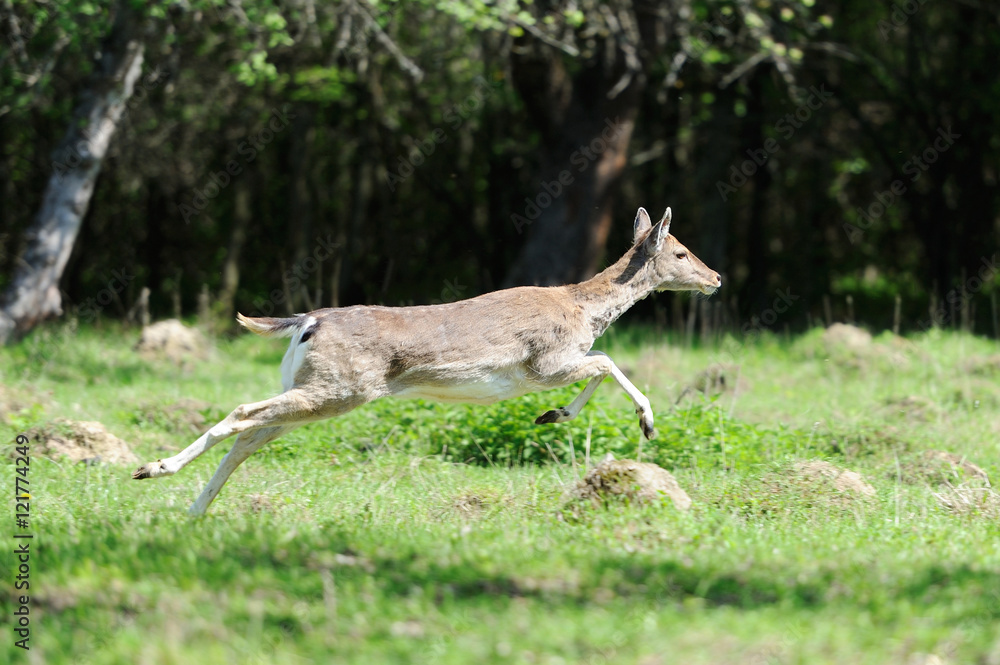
(411, 532)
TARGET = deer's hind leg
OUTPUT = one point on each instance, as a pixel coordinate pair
(255, 424)
(260, 423)
(245, 416)
(247, 443)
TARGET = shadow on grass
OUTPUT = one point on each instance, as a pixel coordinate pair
(164, 554)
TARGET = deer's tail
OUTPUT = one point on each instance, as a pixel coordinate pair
(268, 326)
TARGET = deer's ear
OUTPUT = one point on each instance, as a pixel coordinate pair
(661, 230)
(641, 226)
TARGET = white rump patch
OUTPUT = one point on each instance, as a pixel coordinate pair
(296, 353)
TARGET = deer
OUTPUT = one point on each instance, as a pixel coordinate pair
(497, 346)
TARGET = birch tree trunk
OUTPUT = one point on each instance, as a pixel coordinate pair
(33, 294)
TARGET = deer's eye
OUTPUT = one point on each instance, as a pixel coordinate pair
(681, 255)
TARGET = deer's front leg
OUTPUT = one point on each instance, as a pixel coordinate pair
(642, 406)
(597, 366)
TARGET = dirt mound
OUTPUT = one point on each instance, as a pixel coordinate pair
(260, 503)
(14, 401)
(914, 408)
(469, 505)
(80, 442)
(172, 340)
(185, 416)
(936, 467)
(983, 365)
(719, 378)
(842, 480)
(882, 442)
(965, 500)
(852, 346)
(960, 486)
(844, 336)
(813, 485)
(636, 481)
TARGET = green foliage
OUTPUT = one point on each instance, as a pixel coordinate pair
(699, 436)
(321, 84)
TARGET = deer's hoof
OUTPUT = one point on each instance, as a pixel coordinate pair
(646, 423)
(553, 416)
(151, 470)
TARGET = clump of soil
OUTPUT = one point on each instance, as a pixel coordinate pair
(960, 486)
(172, 340)
(640, 482)
(79, 441)
(186, 415)
(847, 337)
(936, 467)
(718, 379)
(812, 485)
(913, 407)
(259, 503)
(854, 347)
(842, 480)
(470, 505)
(14, 401)
(879, 443)
(966, 500)
(983, 365)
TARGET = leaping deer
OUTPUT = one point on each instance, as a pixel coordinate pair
(482, 350)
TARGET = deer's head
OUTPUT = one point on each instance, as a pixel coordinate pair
(670, 265)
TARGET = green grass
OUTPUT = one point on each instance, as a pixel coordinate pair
(417, 532)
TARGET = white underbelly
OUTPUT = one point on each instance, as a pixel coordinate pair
(497, 387)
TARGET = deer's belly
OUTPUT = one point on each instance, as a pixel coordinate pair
(495, 388)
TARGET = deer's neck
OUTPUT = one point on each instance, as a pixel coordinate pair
(607, 295)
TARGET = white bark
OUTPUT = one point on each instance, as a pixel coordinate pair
(33, 294)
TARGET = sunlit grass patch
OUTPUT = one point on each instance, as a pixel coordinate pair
(409, 531)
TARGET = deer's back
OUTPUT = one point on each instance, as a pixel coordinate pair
(483, 349)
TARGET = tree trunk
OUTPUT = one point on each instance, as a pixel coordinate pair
(33, 294)
(585, 137)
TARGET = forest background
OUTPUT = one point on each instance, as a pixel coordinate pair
(837, 158)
